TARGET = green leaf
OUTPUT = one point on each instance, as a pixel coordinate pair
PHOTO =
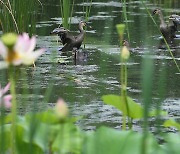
(23, 138)
(68, 139)
(153, 113)
(5, 137)
(110, 141)
(46, 117)
(172, 123)
(40, 136)
(172, 143)
(135, 110)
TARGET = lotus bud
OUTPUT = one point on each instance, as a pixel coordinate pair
(125, 53)
(61, 109)
(9, 39)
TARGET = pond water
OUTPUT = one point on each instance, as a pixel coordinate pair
(82, 82)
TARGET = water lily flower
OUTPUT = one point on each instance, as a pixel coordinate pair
(5, 100)
(61, 109)
(16, 50)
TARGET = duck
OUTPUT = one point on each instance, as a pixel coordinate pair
(168, 30)
(175, 18)
(69, 41)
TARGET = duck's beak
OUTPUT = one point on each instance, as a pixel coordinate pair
(58, 31)
(87, 25)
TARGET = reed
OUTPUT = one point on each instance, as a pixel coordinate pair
(88, 10)
(147, 82)
(19, 16)
(67, 7)
(126, 18)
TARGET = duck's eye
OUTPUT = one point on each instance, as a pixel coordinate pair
(155, 11)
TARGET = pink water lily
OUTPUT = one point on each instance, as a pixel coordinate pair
(22, 52)
(61, 109)
(5, 100)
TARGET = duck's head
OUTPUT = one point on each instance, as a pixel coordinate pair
(59, 30)
(156, 11)
(82, 24)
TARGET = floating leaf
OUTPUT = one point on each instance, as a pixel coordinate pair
(111, 141)
(172, 123)
(135, 110)
(5, 136)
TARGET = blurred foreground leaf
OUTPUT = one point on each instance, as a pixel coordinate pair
(110, 141)
(172, 123)
(135, 110)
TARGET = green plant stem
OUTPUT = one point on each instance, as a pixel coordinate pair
(122, 81)
(62, 14)
(89, 10)
(125, 17)
(124, 92)
(72, 10)
(66, 8)
(2, 137)
(147, 76)
(13, 110)
(62, 138)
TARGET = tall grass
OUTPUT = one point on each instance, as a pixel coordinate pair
(125, 18)
(19, 16)
(147, 83)
(67, 7)
(87, 10)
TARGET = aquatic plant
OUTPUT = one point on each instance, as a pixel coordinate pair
(54, 135)
(53, 130)
(18, 16)
(66, 12)
(87, 9)
(17, 50)
(124, 103)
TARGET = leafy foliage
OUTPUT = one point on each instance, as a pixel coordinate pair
(135, 109)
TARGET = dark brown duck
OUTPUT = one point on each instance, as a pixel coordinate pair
(70, 41)
(168, 30)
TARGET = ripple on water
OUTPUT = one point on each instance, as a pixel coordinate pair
(172, 105)
(102, 4)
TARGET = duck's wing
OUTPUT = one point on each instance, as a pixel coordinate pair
(70, 37)
(66, 37)
(172, 25)
(66, 47)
